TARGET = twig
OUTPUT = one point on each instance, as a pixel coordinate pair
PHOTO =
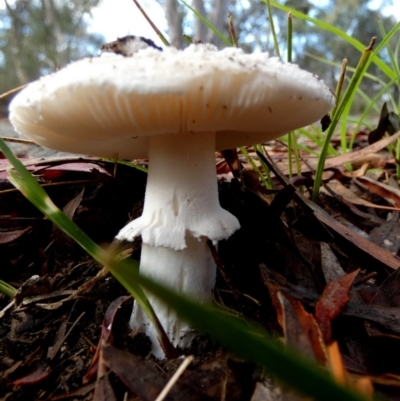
(10, 92)
(18, 140)
(232, 30)
(152, 24)
(186, 362)
(4, 310)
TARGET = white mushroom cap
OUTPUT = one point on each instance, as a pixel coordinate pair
(111, 105)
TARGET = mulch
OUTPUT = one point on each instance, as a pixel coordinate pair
(324, 278)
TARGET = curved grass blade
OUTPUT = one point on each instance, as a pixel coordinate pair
(7, 289)
(250, 342)
(343, 103)
(256, 345)
(272, 25)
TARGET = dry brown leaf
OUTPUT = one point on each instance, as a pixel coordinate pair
(355, 155)
(332, 301)
(357, 173)
(390, 194)
(348, 195)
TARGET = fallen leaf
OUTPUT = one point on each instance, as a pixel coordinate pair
(348, 195)
(331, 303)
(311, 328)
(266, 392)
(357, 173)
(387, 192)
(388, 293)
(7, 237)
(38, 374)
(352, 156)
(388, 122)
(379, 255)
(387, 235)
(144, 380)
(222, 375)
(106, 335)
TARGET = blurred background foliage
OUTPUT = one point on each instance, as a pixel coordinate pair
(39, 36)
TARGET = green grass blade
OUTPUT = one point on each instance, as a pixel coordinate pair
(260, 148)
(339, 34)
(342, 105)
(125, 163)
(289, 37)
(7, 289)
(272, 25)
(256, 345)
(335, 64)
(251, 343)
(255, 167)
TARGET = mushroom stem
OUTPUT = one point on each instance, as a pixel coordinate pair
(181, 194)
(181, 212)
(190, 271)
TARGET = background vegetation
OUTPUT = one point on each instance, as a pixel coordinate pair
(39, 36)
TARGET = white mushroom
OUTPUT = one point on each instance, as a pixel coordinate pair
(177, 107)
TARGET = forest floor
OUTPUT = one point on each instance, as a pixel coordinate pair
(315, 275)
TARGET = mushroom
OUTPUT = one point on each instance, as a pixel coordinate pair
(176, 107)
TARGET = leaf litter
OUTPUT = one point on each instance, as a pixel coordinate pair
(324, 278)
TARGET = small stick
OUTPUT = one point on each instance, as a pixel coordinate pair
(10, 92)
(232, 30)
(17, 140)
(9, 306)
(186, 362)
(152, 24)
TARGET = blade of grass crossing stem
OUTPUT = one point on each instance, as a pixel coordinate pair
(382, 65)
(256, 345)
(248, 341)
(253, 344)
(207, 24)
(28, 186)
(272, 26)
(343, 103)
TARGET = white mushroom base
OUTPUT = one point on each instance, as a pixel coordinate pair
(190, 271)
(181, 211)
